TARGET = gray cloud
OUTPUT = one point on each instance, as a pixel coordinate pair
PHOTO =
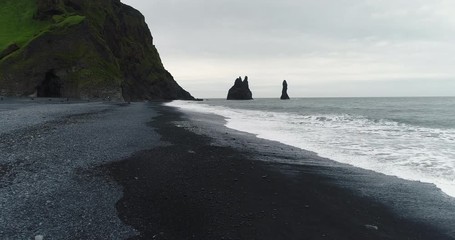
(315, 45)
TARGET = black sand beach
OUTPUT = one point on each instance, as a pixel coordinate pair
(49, 154)
(146, 171)
(194, 189)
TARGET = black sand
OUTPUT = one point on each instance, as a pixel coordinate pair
(48, 153)
(191, 189)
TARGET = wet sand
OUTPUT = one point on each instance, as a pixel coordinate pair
(195, 189)
(83, 171)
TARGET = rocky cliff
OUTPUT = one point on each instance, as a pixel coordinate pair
(81, 49)
(240, 90)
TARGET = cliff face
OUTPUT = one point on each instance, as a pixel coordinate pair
(81, 49)
(240, 90)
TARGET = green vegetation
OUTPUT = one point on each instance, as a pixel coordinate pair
(112, 52)
(18, 26)
(65, 21)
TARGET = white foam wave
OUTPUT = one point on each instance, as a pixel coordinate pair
(406, 151)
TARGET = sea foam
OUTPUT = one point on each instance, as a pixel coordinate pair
(397, 149)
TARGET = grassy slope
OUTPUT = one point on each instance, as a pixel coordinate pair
(16, 22)
(18, 26)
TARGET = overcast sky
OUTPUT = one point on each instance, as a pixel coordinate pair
(321, 47)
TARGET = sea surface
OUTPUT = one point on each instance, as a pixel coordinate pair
(411, 138)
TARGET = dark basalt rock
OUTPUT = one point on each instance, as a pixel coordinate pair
(284, 92)
(48, 8)
(10, 49)
(50, 87)
(91, 49)
(240, 90)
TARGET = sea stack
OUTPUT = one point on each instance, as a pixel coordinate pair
(240, 90)
(81, 49)
(284, 92)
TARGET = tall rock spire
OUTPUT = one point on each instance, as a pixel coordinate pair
(284, 92)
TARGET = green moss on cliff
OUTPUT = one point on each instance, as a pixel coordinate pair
(67, 21)
(96, 48)
(17, 24)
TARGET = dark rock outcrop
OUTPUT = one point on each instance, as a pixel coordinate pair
(48, 8)
(240, 90)
(284, 92)
(10, 49)
(88, 49)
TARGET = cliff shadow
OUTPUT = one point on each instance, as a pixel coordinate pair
(51, 86)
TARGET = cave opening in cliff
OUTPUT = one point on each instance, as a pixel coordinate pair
(50, 86)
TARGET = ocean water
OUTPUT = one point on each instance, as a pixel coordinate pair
(411, 138)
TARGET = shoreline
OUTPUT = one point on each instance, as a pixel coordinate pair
(197, 188)
(182, 175)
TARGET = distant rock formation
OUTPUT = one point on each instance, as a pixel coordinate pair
(284, 92)
(240, 90)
